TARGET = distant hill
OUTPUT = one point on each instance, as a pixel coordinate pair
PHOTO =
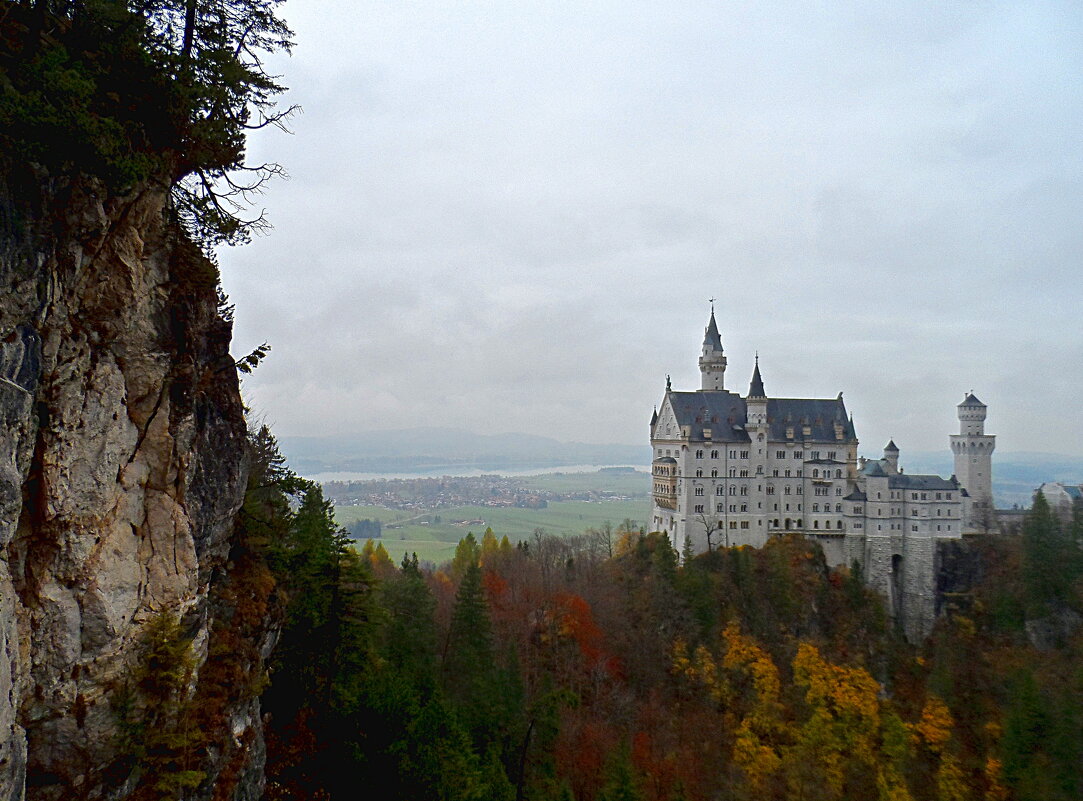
(428, 450)
(425, 450)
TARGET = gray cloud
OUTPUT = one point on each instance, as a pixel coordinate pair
(509, 216)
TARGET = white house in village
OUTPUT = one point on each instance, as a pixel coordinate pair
(732, 470)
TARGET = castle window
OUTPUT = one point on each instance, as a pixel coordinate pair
(923, 496)
(938, 496)
(733, 507)
(838, 474)
(914, 528)
(830, 454)
(798, 455)
(815, 473)
(744, 524)
(733, 524)
(815, 507)
(744, 454)
(775, 472)
(857, 510)
(786, 490)
(913, 496)
(714, 454)
(699, 454)
(699, 474)
(780, 455)
(787, 474)
(699, 507)
(800, 490)
(714, 474)
(799, 474)
(744, 490)
(733, 454)
(720, 508)
(914, 513)
(744, 507)
(799, 522)
(699, 490)
(719, 490)
(838, 507)
(948, 496)
(744, 474)
(949, 526)
(815, 523)
(814, 455)
(770, 490)
(838, 490)
(733, 472)
(733, 489)
(857, 525)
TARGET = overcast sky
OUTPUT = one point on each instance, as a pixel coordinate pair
(509, 216)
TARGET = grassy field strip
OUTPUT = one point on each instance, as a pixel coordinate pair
(438, 539)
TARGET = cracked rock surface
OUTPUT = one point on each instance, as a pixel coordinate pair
(122, 466)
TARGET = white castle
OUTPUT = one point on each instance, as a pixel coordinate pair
(731, 470)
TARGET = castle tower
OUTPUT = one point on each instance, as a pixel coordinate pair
(973, 450)
(891, 458)
(756, 403)
(712, 362)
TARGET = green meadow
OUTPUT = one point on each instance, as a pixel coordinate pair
(433, 534)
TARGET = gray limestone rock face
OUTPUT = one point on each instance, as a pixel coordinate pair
(122, 466)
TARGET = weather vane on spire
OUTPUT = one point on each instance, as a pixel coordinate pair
(711, 301)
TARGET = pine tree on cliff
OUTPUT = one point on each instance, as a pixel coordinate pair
(162, 91)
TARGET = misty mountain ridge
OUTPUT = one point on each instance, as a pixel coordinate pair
(422, 450)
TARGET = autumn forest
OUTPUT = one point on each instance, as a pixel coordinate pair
(605, 667)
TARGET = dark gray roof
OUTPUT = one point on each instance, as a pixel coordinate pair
(919, 482)
(654, 417)
(971, 400)
(891, 446)
(825, 461)
(711, 336)
(755, 389)
(725, 413)
(874, 469)
(856, 495)
(1074, 492)
(665, 460)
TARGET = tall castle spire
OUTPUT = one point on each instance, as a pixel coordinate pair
(755, 389)
(712, 361)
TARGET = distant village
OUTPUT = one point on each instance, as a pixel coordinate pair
(423, 494)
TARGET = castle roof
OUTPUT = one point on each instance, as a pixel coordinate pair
(874, 469)
(971, 400)
(711, 336)
(921, 482)
(725, 414)
(756, 390)
(891, 446)
(856, 495)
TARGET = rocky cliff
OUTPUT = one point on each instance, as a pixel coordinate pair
(122, 467)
